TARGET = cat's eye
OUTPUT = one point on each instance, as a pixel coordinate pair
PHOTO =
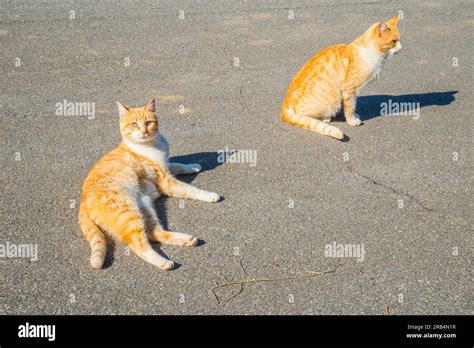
(394, 41)
(134, 124)
(148, 123)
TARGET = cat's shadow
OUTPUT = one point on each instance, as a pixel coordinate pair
(207, 160)
(372, 106)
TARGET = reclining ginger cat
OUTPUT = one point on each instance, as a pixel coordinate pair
(119, 192)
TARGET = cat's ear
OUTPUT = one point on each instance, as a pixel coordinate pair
(123, 110)
(150, 106)
(393, 22)
(382, 27)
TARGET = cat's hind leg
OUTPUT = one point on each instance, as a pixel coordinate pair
(179, 168)
(156, 233)
(326, 118)
(140, 245)
(170, 186)
(123, 218)
(174, 238)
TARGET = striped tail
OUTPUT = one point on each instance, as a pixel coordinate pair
(312, 124)
(96, 239)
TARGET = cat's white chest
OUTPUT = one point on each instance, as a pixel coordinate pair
(374, 61)
(156, 153)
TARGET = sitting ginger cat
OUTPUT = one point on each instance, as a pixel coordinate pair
(335, 75)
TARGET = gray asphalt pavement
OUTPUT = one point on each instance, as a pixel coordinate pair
(400, 187)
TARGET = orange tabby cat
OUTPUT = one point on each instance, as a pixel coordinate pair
(335, 75)
(119, 192)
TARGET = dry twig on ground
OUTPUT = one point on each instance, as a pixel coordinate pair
(241, 282)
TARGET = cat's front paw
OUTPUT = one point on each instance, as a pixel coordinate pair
(354, 121)
(194, 168)
(211, 197)
(189, 241)
(167, 265)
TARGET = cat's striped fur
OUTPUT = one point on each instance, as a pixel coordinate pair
(119, 192)
(334, 76)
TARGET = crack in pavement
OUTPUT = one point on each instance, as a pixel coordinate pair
(348, 168)
(424, 207)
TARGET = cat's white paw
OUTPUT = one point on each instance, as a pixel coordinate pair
(189, 241)
(212, 197)
(326, 120)
(194, 168)
(354, 121)
(167, 265)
